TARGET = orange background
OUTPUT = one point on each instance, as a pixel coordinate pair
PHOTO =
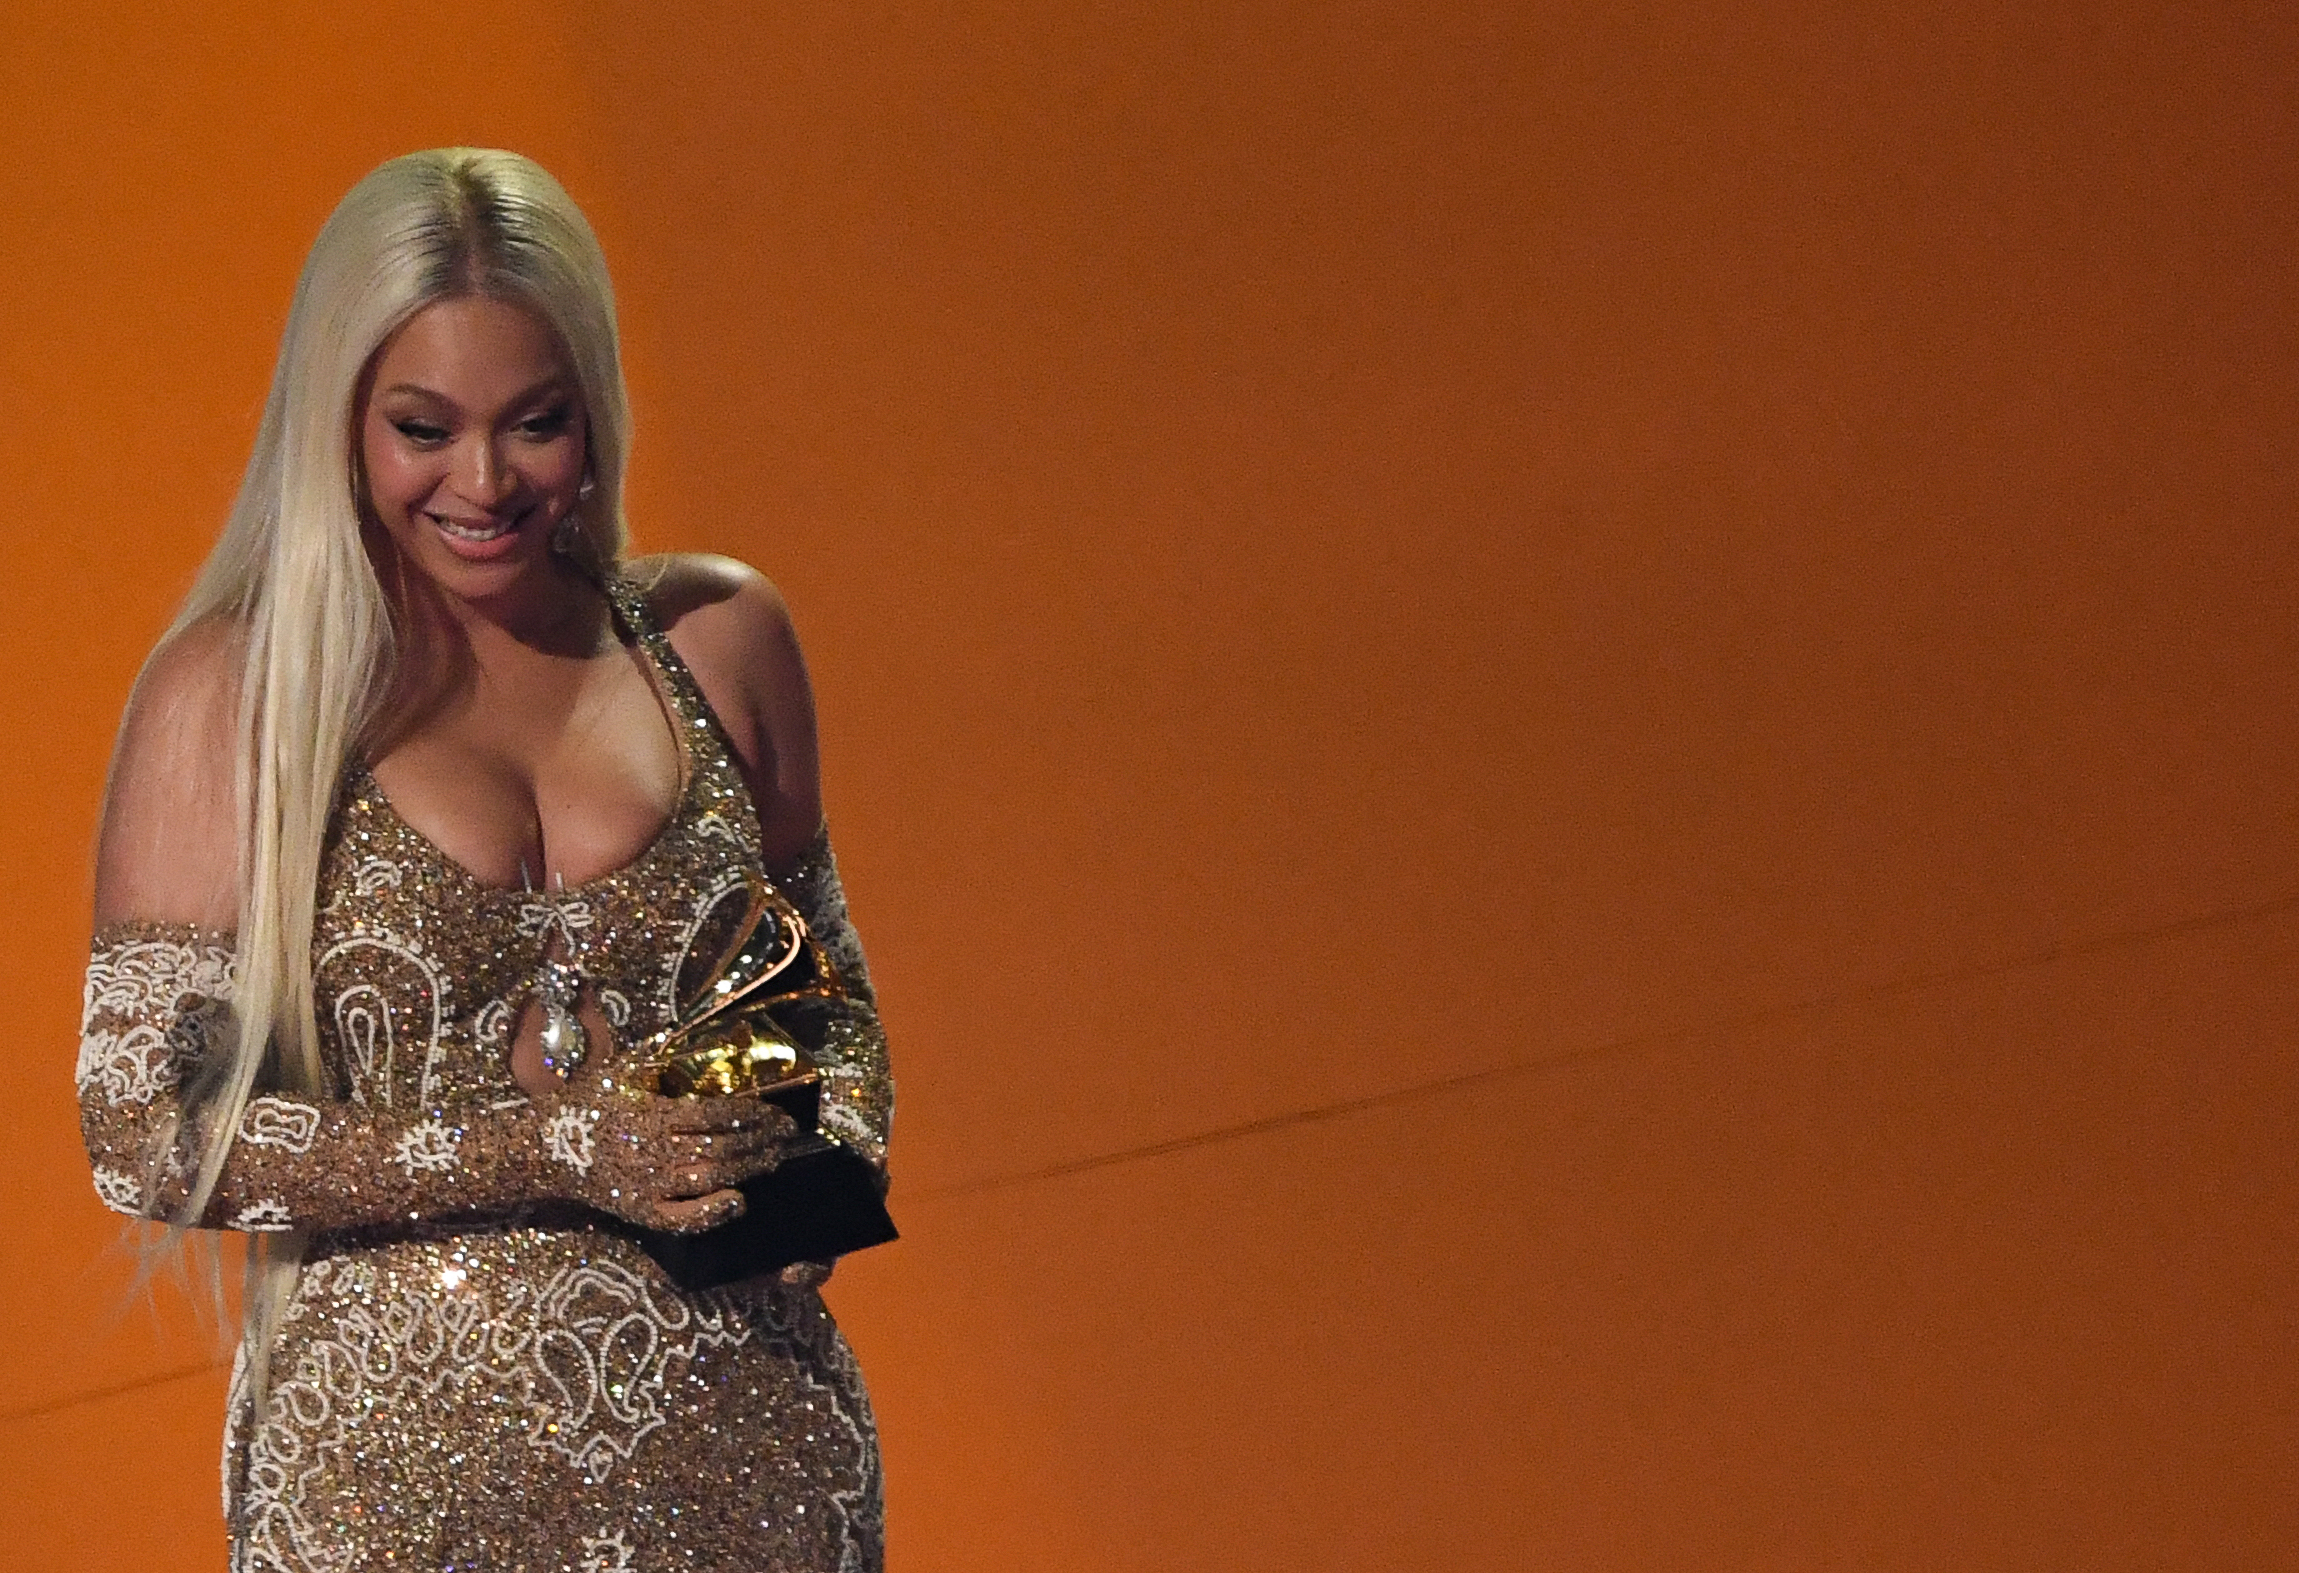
(1565, 732)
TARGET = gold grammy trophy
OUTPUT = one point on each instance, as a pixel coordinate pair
(823, 1199)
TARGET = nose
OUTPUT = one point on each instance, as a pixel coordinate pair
(488, 479)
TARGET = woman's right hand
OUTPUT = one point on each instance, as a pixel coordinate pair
(662, 1163)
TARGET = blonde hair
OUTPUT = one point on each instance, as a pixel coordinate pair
(292, 574)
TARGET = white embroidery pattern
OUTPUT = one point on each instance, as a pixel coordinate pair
(489, 1025)
(428, 1146)
(603, 1345)
(590, 1354)
(585, 1349)
(368, 877)
(365, 1024)
(376, 874)
(852, 1065)
(278, 1122)
(264, 1217)
(714, 823)
(135, 1066)
(144, 982)
(842, 1120)
(570, 918)
(153, 976)
(597, 1549)
(728, 882)
(120, 1192)
(568, 1138)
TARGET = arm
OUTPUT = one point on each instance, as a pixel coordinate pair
(844, 1037)
(158, 1010)
(157, 1019)
(734, 632)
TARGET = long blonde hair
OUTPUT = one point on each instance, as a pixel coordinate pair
(292, 574)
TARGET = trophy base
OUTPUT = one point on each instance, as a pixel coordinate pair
(821, 1202)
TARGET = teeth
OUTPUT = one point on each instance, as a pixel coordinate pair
(464, 532)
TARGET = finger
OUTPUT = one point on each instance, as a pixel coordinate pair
(737, 1113)
(765, 1161)
(698, 1116)
(702, 1176)
(727, 1146)
(687, 1181)
(703, 1212)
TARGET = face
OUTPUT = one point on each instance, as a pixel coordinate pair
(474, 441)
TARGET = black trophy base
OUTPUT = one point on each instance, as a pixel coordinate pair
(822, 1201)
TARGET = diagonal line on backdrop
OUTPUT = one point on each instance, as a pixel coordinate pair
(1816, 1005)
(53, 1405)
(1429, 1089)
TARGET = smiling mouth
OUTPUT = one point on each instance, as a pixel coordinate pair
(477, 534)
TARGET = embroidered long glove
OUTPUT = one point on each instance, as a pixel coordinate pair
(843, 1037)
(158, 1004)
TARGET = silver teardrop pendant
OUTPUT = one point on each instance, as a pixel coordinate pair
(565, 1043)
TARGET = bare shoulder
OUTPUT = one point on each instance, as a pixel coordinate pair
(168, 849)
(718, 600)
(733, 629)
(192, 677)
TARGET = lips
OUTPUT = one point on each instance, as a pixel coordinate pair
(482, 538)
(474, 529)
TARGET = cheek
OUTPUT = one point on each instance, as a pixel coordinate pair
(398, 477)
(556, 468)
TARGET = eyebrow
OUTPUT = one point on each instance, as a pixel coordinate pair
(556, 383)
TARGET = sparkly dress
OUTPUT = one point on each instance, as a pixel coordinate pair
(520, 1387)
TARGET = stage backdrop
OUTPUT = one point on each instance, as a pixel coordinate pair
(1565, 732)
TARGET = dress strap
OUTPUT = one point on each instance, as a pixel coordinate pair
(710, 752)
(632, 611)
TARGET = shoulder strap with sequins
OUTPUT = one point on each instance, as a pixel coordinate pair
(708, 746)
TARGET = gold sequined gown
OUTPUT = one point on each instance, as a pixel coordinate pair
(525, 1390)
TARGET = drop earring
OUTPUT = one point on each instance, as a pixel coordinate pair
(567, 534)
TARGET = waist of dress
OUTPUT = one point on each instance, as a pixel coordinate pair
(531, 1245)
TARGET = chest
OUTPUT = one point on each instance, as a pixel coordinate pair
(549, 773)
(423, 973)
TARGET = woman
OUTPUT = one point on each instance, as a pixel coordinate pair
(424, 813)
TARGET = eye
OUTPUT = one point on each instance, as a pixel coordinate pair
(423, 434)
(548, 424)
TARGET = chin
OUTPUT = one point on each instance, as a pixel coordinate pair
(480, 581)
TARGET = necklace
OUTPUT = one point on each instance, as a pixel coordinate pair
(558, 984)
